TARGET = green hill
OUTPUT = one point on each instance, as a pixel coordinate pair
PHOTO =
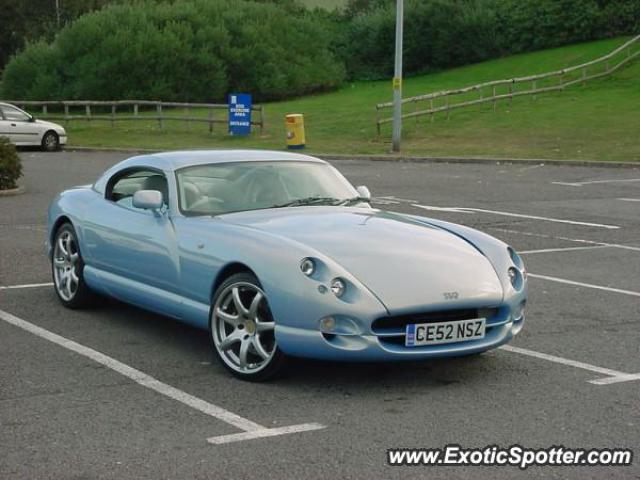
(598, 121)
(328, 4)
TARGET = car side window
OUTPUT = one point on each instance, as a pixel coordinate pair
(122, 187)
(14, 115)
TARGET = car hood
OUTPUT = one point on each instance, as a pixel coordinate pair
(51, 125)
(407, 264)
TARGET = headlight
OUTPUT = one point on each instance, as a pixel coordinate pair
(338, 287)
(308, 266)
(516, 259)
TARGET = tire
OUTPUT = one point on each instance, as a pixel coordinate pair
(50, 141)
(67, 269)
(242, 330)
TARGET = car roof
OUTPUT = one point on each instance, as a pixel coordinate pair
(172, 161)
(186, 158)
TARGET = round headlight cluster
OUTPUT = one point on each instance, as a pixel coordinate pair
(307, 266)
(338, 287)
(517, 274)
(515, 258)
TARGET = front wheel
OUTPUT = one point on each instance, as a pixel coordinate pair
(243, 329)
(67, 269)
(50, 142)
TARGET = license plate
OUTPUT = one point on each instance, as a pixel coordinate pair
(419, 334)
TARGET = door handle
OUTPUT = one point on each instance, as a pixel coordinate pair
(13, 124)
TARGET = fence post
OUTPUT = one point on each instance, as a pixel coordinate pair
(584, 76)
(378, 121)
(159, 111)
(113, 114)
(261, 120)
(44, 109)
(66, 113)
(87, 109)
(446, 104)
(415, 102)
(510, 94)
(431, 109)
(186, 116)
(494, 98)
(211, 120)
(533, 89)
(135, 109)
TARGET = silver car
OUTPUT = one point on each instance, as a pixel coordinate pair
(23, 129)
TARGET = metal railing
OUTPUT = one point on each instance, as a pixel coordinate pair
(491, 91)
(93, 110)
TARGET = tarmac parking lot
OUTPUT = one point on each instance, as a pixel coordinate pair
(114, 391)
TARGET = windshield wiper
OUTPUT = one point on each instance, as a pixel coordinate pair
(354, 201)
(309, 201)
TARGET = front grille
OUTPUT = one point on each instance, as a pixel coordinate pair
(399, 322)
(391, 331)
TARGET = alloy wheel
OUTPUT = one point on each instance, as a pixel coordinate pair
(65, 265)
(243, 328)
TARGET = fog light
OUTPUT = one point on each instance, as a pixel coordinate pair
(338, 287)
(513, 276)
(308, 266)
(327, 324)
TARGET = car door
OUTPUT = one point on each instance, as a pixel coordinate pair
(17, 125)
(135, 250)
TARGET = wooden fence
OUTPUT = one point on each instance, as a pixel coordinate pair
(492, 92)
(131, 110)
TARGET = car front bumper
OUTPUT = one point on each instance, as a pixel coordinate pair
(377, 345)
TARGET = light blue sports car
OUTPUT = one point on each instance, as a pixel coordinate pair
(278, 255)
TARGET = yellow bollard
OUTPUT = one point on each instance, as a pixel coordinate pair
(294, 125)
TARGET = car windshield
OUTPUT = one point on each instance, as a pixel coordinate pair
(219, 188)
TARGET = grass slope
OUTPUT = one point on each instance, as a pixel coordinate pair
(327, 4)
(598, 121)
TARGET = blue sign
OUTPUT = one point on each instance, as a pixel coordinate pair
(240, 114)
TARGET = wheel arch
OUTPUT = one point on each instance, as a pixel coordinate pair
(61, 220)
(225, 272)
(47, 131)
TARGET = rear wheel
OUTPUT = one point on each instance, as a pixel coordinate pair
(67, 269)
(243, 329)
(50, 142)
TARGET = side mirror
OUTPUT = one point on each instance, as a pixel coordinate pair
(363, 192)
(32, 119)
(148, 199)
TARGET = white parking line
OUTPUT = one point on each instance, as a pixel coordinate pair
(265, 432)
(565, 249)
(577, 240)
(586, 285)
(28, 285)
(591, 182)
(251, 429)
(630, 199)
(517, 215)
(612, 376)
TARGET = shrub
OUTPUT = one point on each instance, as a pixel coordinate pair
(10, 165)
(187, 50)
(445, 33)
